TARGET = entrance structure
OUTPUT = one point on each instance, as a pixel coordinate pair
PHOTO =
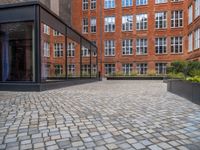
(38, 50)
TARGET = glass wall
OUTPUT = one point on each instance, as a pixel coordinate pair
(16, 52)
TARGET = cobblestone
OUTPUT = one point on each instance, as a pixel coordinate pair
(102, 115)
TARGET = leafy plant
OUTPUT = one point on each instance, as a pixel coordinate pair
(151, 73)
(194, 79)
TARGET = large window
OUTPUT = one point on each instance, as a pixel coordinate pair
(46, 29)
(197, 38)
(127, 47)
(197, 8)
(141, 21)
(127, 69)
(160, 1)
(127, 23)
(71, 70)
(161, 20)
(141, 46)
(109, 24)
(141, 2)
(127, 3)
(85, 52)
(109, 69)
(161, 45)
(109, 47)
(85, 4)
(190, 42)
(16, 52)
(85, 25)
(93, 4)
(71, 49)
(190, 14)
(58, 49)
(46, 49)
(176, 45)
(177, 18)
(109, 4)
(93, 25)
(142, 68)
(161, 68)
(58, 70)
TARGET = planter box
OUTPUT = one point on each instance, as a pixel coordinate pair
(136, 78)
(188, 90)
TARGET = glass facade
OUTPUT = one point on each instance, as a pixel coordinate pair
(16, 52)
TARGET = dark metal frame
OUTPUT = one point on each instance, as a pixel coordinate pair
(38, 13)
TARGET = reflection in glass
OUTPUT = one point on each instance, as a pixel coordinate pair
(16, 52)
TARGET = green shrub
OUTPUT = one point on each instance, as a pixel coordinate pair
(151, 73)
(194, 79)
(118, 74)
(133, 73)
(176, 75)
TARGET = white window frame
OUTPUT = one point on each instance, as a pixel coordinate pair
(109, 47)
(141, 2)
(85, 25)
(190, 42)
(93, 4)
(109, 69)
(141, 46)
(176, 18)
(197, 8)
(127, 3)
(141, 22)
(161, 68)
(71, 49)
(127, 47)
(46, 29)
(177, 45)
(190, 14)
(127, 23)
(46, 49)
(142, 68)
(58, 49)
(197, 38)
(85, 4)
(161, 20)
(161, 45)
(127, 69)
(109, 4)
(109, 24)
(93, 25)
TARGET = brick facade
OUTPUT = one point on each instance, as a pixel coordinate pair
(151, 58)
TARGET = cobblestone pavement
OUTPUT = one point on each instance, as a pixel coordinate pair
(103, 115)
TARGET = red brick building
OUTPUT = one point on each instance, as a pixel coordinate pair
(138, 36)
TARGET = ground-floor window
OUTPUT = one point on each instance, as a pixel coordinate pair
(142, 68)
(161, 68)
(127, 68)
(58, 70)
(85, 69)
(71, 70)
(109, 69)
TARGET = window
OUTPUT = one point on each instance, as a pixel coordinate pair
(197, 8)
(197, 38)
(58, 70)
(109, 24)
(127, 69)
(141, 21)
(109, 69)
(177, 18)
(176, 45)
(46, 29)
(142, 68)
(85, 25)
(161, 20)
(56, 33)
(141, 2)
(160, 1)
(127, 3)
(161, 45)
(94, 69)
(85, 69)
(46, 49)
(85, 4)
(161, 68)
(141, 46)
(93, 4)
(190, 14)
(109, 4)
(85, 52)
(190, 42)
(127, 47)
(71, 70)
(93, 23)
(109, 47)
(58, 49)
(127, 23)
(70, 49)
